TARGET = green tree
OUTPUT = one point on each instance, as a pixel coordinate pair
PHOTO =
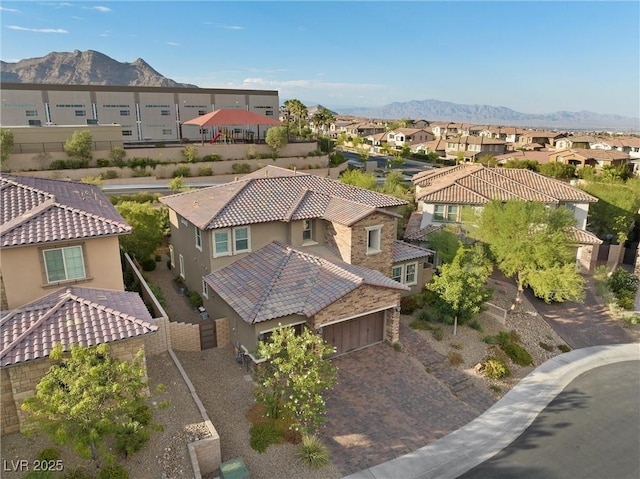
(322, 119)
(87, 396)
(176, 185)
(6, 144)
(190, 153)
(79, 145)
(359, 178)
(462, 283)
(363, 154)
(533, 244)
(295, 376)
(276, 138)
(148, 233)
(298, 110)
(561, 171)
(522, 164)
(488, 160)
(432, 157)
(445, 243)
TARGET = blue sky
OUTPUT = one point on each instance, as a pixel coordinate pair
(533, 57)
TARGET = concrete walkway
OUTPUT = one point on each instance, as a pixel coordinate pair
(485, 436)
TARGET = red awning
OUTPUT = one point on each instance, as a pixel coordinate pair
(231, 117)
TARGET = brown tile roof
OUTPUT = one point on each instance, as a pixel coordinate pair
(414, 232)
(37, 210)
(477, 184)
(284, 195)
(579, 236)
(598, 154)
(83, 316)
(539, 156)
(405, 251)
(278, 280)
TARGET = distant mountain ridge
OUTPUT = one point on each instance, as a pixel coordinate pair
(84, 68)
(435, 110)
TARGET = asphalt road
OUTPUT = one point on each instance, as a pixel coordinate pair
(589, 431)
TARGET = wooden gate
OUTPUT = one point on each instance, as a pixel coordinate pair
(207, 334)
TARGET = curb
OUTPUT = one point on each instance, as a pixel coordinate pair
(482, 438)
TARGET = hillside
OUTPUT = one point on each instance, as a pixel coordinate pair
(84, 68)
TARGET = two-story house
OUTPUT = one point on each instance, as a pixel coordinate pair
(408, 136)
(282, 247)
(61, 282)
(546, 139)
(443, 193)
(472, 147)
(597, 158)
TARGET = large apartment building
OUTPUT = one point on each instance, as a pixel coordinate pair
(144, 113)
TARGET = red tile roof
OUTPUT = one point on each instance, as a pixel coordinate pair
(477, 184)
(82, 316)
(283, 195)
(37, 210)
(405, 251)
(278, 280)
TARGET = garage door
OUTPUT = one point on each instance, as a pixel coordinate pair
(355, 333)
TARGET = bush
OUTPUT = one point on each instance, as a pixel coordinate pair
(77, 473)
(117, 154)
(420, 325)
(113, 471)
(211, 157)
(195, 299)
(313, 452)
(102, 162)
(262, 435)
(149, 264)
(475, 325)
(545, 346)
(455, 359)
(141, 163)
(205, 171)
(68, 164)
(564, 348)
(336, 159)
(48, 454)
(182, 170)
(517, 354)
(241, 168)
(408, 305)
(190, 153)
(131, 437)
(111, 175)
(157, 292)
(437, 333)
(494, 369)
(143, 415)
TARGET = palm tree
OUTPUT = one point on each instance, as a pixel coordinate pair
(322, 118)
(298, 110)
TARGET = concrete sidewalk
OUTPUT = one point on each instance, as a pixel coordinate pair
(485, 436)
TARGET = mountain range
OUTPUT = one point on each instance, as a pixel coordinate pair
(95, 68)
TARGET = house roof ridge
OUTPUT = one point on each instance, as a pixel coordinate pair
(44, 318)
(108, 309)
(302, 194)
(226, 203)
(27, 216)
(511, 180)
(548, 179)
(449, 185)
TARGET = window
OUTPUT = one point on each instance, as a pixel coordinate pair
(221, 243)
(181, 260)
(31, 112)
(268, 113)
(198, 239)
(184, 221)
(167, 131)
(410, 274)
(125, 113)
(205, 289)
(397, 273)
(172, 256)
(165, 112)
(240, 240)
(307, 230)
(202, 112)
(81, 112)
(35, 123)
(373, 239)
(62, 264)
(445, 212)
(127, 133)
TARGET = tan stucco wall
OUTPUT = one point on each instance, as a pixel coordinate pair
(33, 140)
(25, 281)
(21, 380)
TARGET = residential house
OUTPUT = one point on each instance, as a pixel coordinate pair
(545, 138)
(472, 147)
(447, 129)
(583, 142)
(596, 158)
(438, 146)
(443, 193)
(533, 155)
(509, 134)
(279, 247)
(400, 137)
(61, 282)
(625, 144)
(420, 124)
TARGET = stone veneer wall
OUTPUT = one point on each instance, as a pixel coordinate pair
(337, 237)
(379, 261)
(223, 332)
(361, 300)
(22, 381)
(184, 336)
(160, 341)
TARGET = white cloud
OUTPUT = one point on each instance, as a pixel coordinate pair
(100, 8)
(37, 30)
(173, 44)
(10, 10)
(232, 27)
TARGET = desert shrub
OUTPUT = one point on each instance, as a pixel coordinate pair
(117, 154)
(195, 299)
(140, 172)
(420, 324)
(131, 437)
(262, 435)
(77, 473)
(408, 305)
(292, 436)
(545, 346)
(458, 346)
(68, 164)
(113, 471)
(490, 339)
(142, 162)
(475, 324)
(564, 348)
(143, 415)
(624, 286)
(437, 333)
(455, 359)
(517, 354)
(102, 162)
(494, 369)
(148, 264)
(424, 315)
(514, 336)
(336, 159)
(111, 175)
(397, 346)
(205, 171)
(211, 157)
(142, 197)
(182, 170)
(313, 452)
(157, 292)
(241, 168)
(48, 454)
(190, 153)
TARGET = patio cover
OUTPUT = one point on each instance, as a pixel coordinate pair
(226, 117)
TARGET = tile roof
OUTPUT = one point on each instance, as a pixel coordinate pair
(477, 184)
(598, 154)
(414, 232)
(37, 210)
(278, 280)
(283, 195)
(404, 252)
(579, 236)
(83, 316)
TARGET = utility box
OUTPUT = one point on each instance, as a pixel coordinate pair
(234, 469)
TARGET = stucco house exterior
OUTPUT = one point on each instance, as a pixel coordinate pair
(283, 247)
(408, 136)
(472, 147)
(443, 193)
(61, 282)
(596, 158)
